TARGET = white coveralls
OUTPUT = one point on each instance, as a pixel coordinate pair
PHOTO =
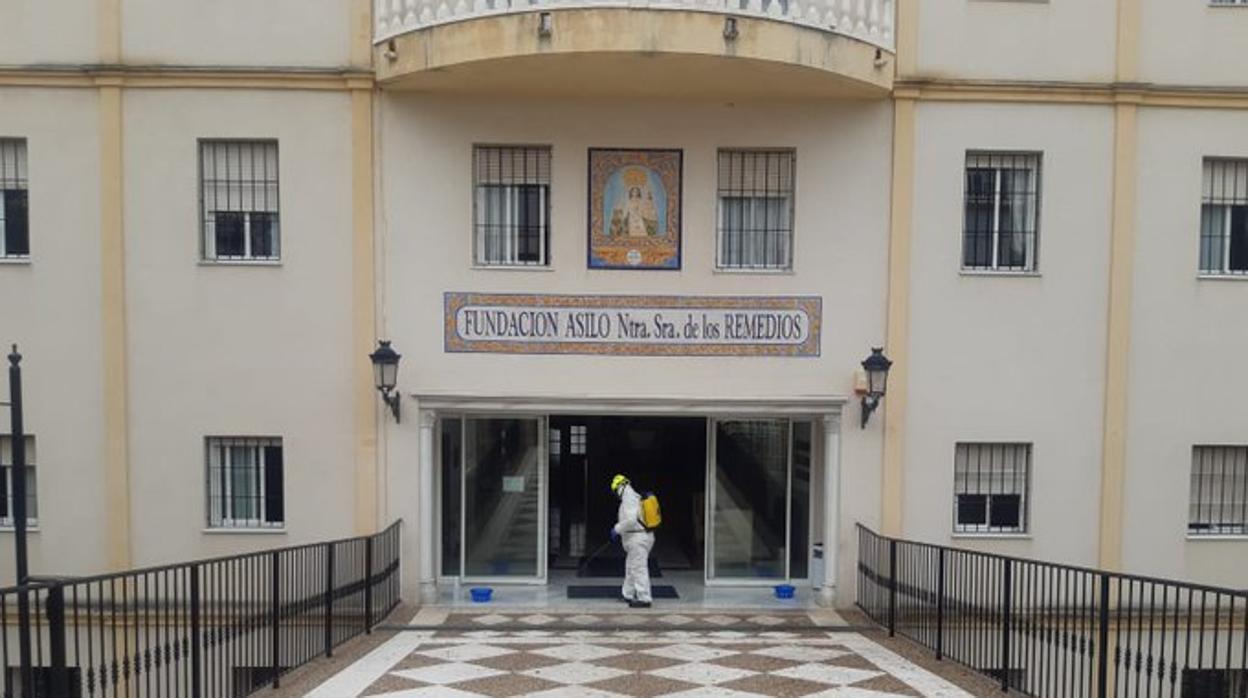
(637, 542)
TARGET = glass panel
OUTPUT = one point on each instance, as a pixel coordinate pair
(1212, 228)
(1238, 255)
(751, 499)
(502, 498)
(978, 218)
(244, 490)
(799, 513)
(452, 460)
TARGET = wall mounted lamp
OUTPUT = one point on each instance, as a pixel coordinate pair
(876, 367)
(386, 375)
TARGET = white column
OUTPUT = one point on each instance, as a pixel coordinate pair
(831, 506)
(426, 574)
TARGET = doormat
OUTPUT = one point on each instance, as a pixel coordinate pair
(661, 591)
(612, 567)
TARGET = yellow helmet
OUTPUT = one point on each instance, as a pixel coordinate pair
(617, 482)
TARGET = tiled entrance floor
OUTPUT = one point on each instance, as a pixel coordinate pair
(641, 655)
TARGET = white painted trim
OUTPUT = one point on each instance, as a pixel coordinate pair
(809, 406)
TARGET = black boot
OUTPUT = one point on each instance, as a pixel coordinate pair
(639, 604)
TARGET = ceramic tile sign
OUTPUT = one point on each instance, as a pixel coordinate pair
(501, 323)
(634, 209)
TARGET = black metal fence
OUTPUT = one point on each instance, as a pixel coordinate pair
(222, 627)
(1052, 630)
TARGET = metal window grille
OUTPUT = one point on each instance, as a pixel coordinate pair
(1224, 217)
(511, 211)
(239, 201)
(14, 200)
(755, 209)
(245, 483)
(6, 482)
(1219, 492)
(1001, 217)
(991, 487)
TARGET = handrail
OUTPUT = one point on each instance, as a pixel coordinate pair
(871, 21)
(222, 626)
(1050, 629)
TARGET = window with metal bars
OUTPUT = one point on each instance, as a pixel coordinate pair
(755, 209)
(239, 201)
(14, 201)
(511, 205)
(1001, 216)
(1224, 217)
(1219, 494)
(1235, 3)
(991, 487)
(6, 482)
(245, 482)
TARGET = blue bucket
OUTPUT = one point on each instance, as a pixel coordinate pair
(481, 594)
(784, 591)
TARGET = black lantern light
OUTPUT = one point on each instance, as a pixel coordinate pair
(876, 366)
(386, 374)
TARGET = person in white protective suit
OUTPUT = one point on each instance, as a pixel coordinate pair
(637, 542)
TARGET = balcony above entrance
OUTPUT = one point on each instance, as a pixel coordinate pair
(629, 48)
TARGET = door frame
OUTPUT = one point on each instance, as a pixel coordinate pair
(543, 477)
(712, 422)
(451, 405)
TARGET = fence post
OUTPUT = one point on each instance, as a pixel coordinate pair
(1007, 600)
(275, 614)
(56, 640)
(368, 586)
(329, 600)
(892, 587)
(196, 677)
(1102, 658)
(940, 605)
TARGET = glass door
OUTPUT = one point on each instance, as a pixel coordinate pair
(503, 499)
(759, 501)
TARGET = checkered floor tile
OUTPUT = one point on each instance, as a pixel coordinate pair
(622, 667)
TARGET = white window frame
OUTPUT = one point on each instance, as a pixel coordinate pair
(511, 195)
(1233, 498)
(210, 210)
(1023, 492)
(1227, 209)
(1033, 162)
(6, 472)
(218, 447)
(787, 197)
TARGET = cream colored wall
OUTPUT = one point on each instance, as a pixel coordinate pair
(272, 33)
(843, 160)
(1010, 358)
(1017, 40)
(237, 350)
(1187, 347)
(1193, 43)
(51, 309)
(41, 32)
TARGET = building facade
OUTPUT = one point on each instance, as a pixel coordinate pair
(657, 239)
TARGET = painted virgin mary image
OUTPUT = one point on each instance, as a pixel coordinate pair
(634, 214)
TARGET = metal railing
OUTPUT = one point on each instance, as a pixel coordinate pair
(1051, 630)
(871, 21)
(221, 627)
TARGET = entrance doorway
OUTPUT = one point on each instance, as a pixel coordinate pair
(525, 498)
(664, 455)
